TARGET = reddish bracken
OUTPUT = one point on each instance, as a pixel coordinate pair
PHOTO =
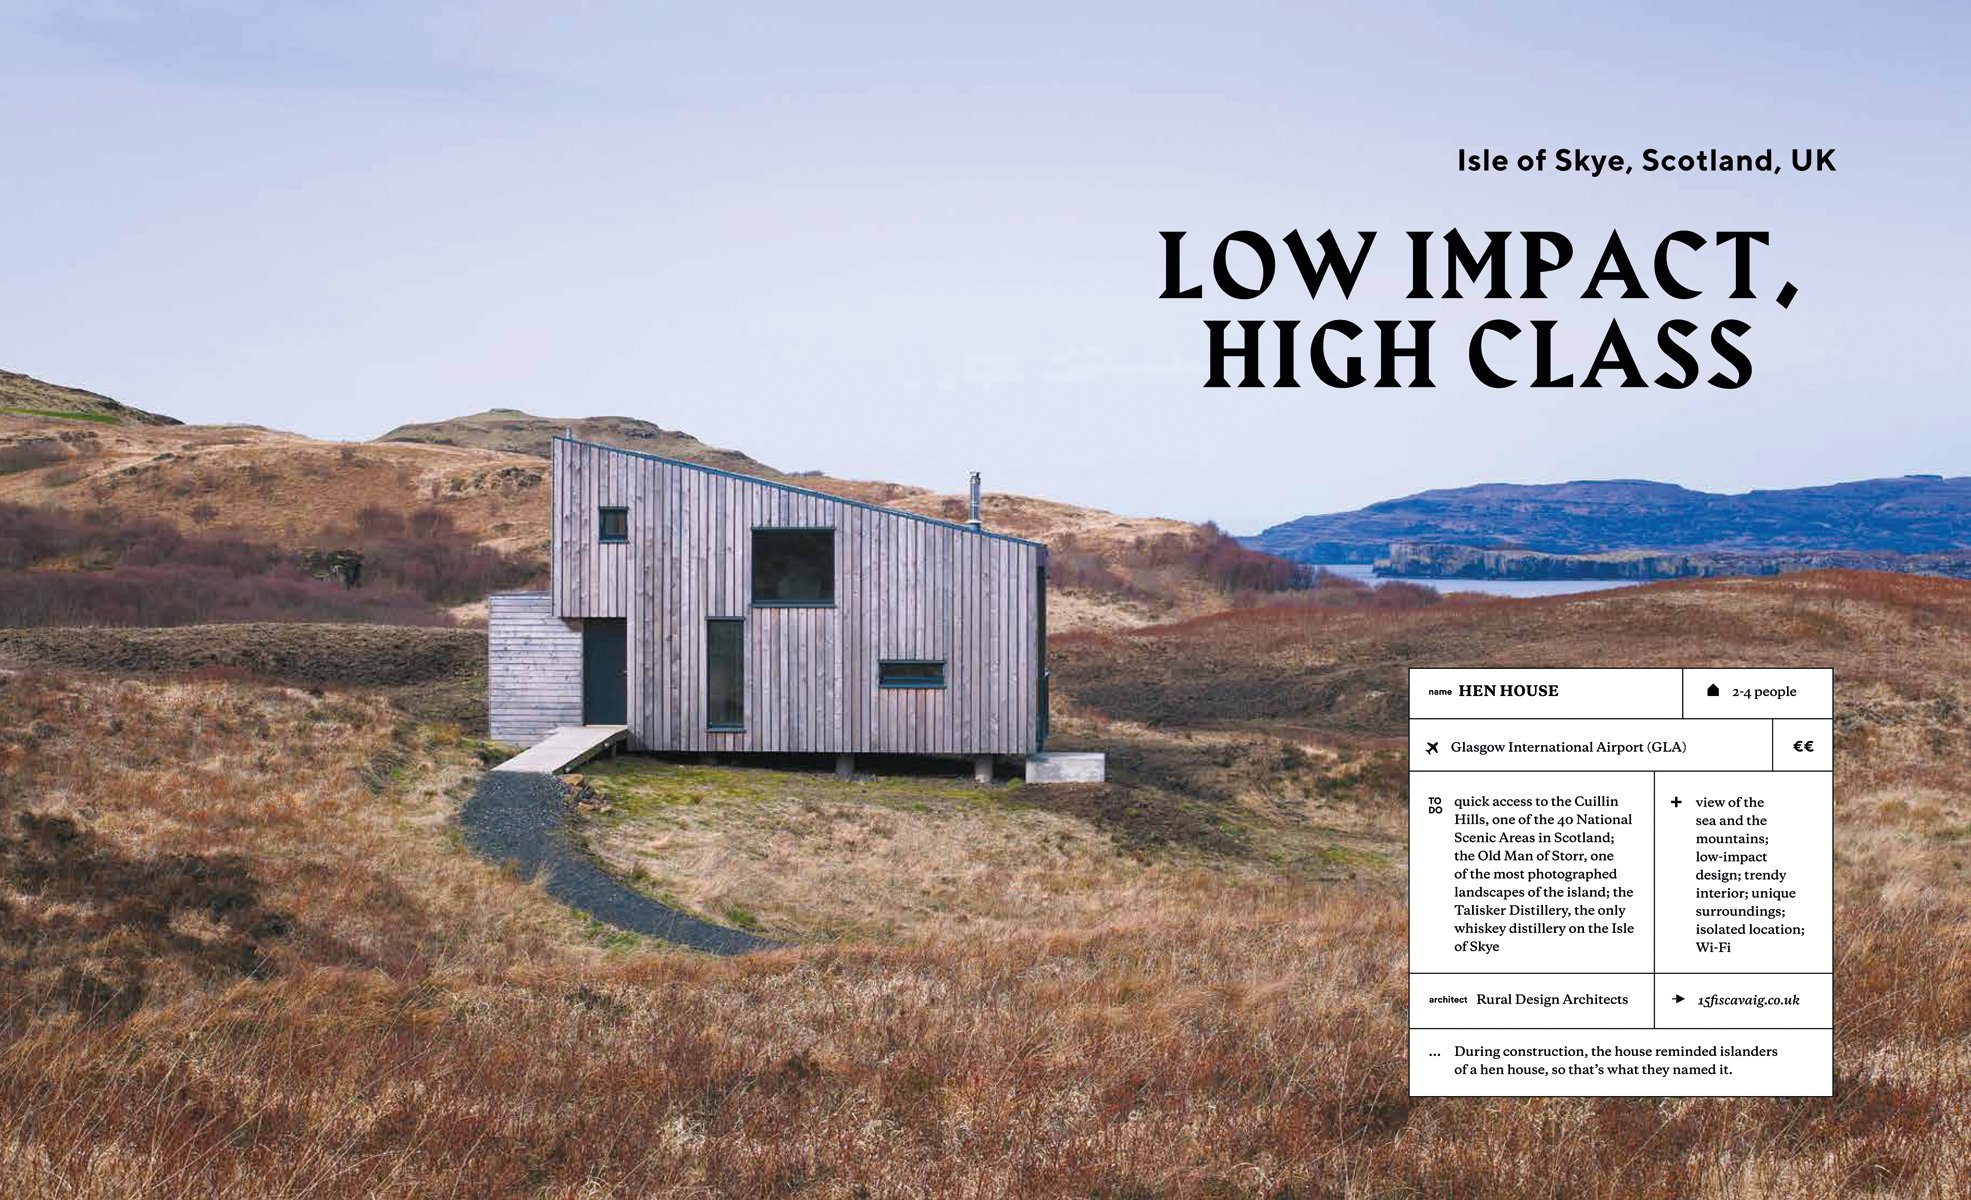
(95, 567)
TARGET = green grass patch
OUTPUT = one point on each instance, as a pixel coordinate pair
(1344, 856)
(641, 788)
(64, 414)
(608, 936)
(489, 753)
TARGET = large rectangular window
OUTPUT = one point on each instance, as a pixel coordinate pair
(612, 524)
(910, 673)
(725, 673)
(794, 568)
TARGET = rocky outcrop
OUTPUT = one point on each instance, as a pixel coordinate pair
(339, 566)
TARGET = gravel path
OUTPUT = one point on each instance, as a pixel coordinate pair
(521, 818)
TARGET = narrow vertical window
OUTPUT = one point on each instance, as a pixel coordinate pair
(612, 524)
(725, 673)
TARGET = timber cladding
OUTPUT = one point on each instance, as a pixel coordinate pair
(533, 668)
(905, 589)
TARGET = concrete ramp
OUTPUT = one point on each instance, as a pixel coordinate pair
(564, 747)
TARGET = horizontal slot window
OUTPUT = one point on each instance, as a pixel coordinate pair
(910, 673)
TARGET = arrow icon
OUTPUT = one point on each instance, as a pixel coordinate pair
(1678, 999)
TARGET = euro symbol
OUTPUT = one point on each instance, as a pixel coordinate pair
(1803, 747)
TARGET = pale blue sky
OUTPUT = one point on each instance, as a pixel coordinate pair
(894, 243)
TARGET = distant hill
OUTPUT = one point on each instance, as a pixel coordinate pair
(514, 432)
(1913, 514)
(24, 395)
(487, 475)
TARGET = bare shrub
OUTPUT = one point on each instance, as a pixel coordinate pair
(146, 572)
(30, 454)
(1157, 567)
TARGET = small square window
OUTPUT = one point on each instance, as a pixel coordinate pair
(910, 673)
(612, 525)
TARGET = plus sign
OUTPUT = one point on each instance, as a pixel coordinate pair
(1677, 803)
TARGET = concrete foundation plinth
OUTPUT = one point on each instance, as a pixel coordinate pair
(1077, 767)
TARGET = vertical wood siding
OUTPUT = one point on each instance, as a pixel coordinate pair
(905, 588)
(533, 668)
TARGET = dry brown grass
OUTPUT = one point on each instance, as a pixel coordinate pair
(907, 857)
(423, 1026)
(277, 486)
(1343, 670)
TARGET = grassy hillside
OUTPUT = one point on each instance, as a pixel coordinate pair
(24, 395)
(249, 956)
(66, 568)
(291, 492)
(510, 431)
(267, 485)
(1118, 570)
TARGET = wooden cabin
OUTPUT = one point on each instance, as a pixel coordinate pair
(716, 612)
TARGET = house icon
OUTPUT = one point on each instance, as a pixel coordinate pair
(1712, 690)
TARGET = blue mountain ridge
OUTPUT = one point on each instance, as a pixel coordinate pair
(1911, 514)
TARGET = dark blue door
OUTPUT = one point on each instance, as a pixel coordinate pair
(605, 671)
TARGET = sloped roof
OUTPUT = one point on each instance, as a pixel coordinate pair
(801, 491)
